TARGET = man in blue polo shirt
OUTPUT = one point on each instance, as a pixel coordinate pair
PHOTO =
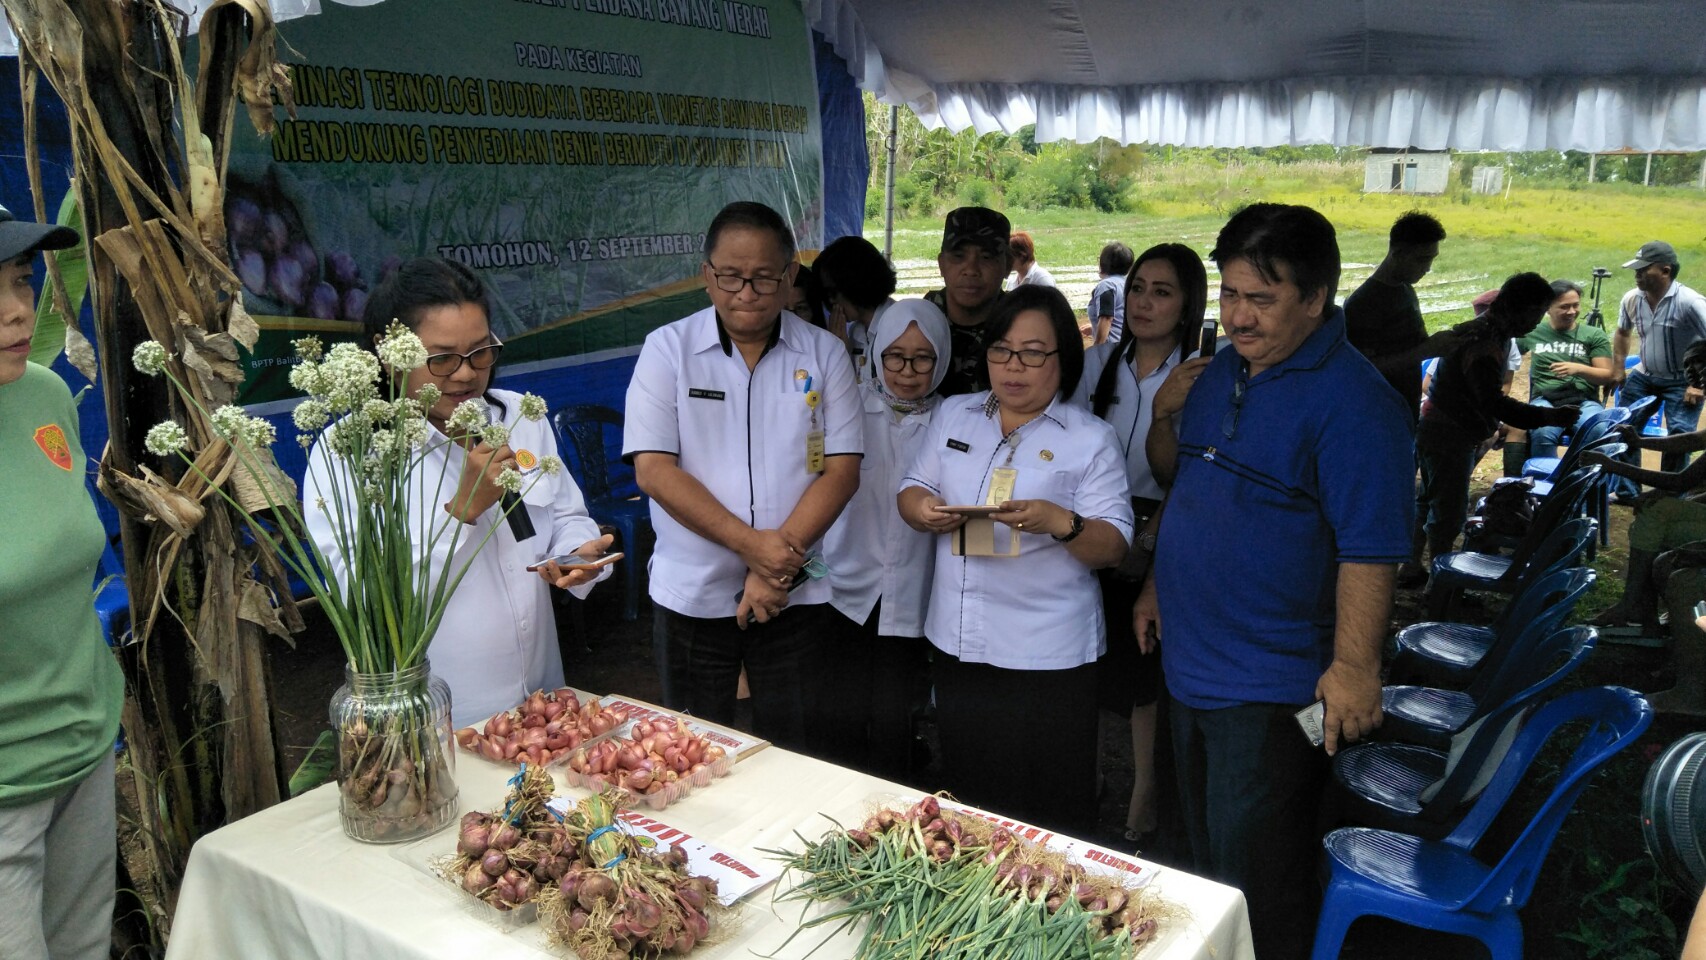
(1275, 562)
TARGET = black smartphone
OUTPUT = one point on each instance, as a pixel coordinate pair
(800, 576)
(1210, 338)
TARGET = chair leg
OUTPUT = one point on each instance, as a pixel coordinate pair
(1337, 915)
(1503, 937)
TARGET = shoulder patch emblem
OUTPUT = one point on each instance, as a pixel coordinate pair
(51, 440)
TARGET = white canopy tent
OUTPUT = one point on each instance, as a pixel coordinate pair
(1461, 74)
(1451, 74)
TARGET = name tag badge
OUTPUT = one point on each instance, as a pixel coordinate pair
(1001, 484)
(959, 445)
(699, 393)
(814, 452)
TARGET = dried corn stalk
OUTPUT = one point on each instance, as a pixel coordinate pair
(150, 150)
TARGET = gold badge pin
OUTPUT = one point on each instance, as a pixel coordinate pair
(1046, 454)
(800, 374)
(526, 460)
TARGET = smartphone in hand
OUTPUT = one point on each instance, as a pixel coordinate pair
(574, 561)
(1210, 338)
(1313, 720)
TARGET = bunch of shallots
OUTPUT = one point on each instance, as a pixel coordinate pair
(656, 753)
(623, 898)
(506, 858)
(545, 727)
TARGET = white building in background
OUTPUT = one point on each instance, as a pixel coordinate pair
(1406, 171)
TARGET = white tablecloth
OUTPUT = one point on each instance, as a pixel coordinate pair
(287, 883)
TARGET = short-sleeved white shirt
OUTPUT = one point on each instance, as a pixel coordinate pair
(1040, 610)
(1132, 411)
(740, 433)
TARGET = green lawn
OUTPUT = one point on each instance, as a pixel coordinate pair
(1558, 232)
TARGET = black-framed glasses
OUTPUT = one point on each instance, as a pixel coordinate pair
(734, 283)
(445, 364)
(895, 363)
(1229, 426)
(998, 354)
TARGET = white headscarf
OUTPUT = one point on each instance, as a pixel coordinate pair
(888, 325)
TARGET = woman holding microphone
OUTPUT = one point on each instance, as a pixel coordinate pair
(1027, 494)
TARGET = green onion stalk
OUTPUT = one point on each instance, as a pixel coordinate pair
(395, 752)
(931, 883)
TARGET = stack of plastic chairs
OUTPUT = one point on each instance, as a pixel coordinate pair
(1471, 570)
(1441, 884)
(1450, 654)
(590, 439)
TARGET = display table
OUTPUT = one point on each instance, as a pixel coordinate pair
(287, 883)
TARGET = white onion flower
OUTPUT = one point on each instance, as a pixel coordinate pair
(400, 349)
(349, 375)
(259, 433)
(229, 421)
(427, 395)
(150, 357)
(383, 443)
(469, 416)
(305, 376)
(413, 433)
(311, 415)
(309, 349)
(494, 435)
(165, 439)
(533, 406)
(551, 466)
(509, 480)
(378, 411)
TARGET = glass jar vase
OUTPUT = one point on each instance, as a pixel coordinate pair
(396, 755)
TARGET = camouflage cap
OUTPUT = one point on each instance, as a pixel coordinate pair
(980, 225)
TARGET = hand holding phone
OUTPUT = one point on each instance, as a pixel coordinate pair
(1313, 720)
(1210, 338)
(574, 561)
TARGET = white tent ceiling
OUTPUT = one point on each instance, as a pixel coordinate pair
(1460, 74)
(1464, 74)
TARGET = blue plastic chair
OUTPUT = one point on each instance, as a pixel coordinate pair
(1440, 884)
(1596, 427)
(590, 439)
(1431, 716)
(1463, 570)
(1443, 653)
(1650, 418)
(1599, 498)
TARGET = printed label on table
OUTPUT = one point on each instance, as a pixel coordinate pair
(736, 875)
(1092, 856)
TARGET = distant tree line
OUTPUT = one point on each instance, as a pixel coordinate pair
(938, 169)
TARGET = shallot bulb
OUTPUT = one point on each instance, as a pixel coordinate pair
(476, 880)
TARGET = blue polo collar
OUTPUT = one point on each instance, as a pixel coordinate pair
(1314, 352)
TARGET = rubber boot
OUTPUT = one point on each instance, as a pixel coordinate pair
(1516, 454)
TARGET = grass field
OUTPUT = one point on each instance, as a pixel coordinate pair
(1599, 894)
(1556, 231)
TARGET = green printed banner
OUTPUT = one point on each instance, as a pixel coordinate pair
(571, 151)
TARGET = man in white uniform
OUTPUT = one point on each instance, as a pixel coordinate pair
(743, 427)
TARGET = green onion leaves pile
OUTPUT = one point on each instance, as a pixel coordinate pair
(933, 883)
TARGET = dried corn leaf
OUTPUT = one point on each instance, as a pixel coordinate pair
(240, 325)
(151, 495)
(256, 606)
(214, 356)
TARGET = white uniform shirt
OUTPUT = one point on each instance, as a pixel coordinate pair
(1036, 276)
(1040, 610)
(1131, 413)
(1667, 330)
(497, 641)
(743, 435)
(871, 551)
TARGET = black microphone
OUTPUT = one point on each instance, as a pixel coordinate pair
(520, 523)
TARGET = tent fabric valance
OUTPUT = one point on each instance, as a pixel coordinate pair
(1470, 75)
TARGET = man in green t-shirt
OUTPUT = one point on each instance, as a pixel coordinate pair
(1570, 363)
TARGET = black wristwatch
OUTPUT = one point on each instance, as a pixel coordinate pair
(1077, 528)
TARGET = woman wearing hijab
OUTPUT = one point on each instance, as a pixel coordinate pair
(881, 568)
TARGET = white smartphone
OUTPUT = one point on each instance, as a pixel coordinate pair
(970, 510)
(1210, 338)
(1313, 720)
(574, 561)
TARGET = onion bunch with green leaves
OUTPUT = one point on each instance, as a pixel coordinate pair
(925, 882)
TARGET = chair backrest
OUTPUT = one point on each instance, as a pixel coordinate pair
(1537, 661)
(1560, 549)
(1541, 609)
(1564, 503)
(1641, 409)
(1617, 716)
(590, 439)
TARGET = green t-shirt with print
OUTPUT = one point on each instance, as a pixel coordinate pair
(1546, 346)
(60, 687)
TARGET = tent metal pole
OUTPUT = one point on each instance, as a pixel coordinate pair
(1647, 178)
(1593, 161)
(888, 184)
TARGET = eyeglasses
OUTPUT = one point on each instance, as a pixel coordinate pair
(895, 363)
(734, 282)
(998, 355)
(1229, 426)
(445, 364)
